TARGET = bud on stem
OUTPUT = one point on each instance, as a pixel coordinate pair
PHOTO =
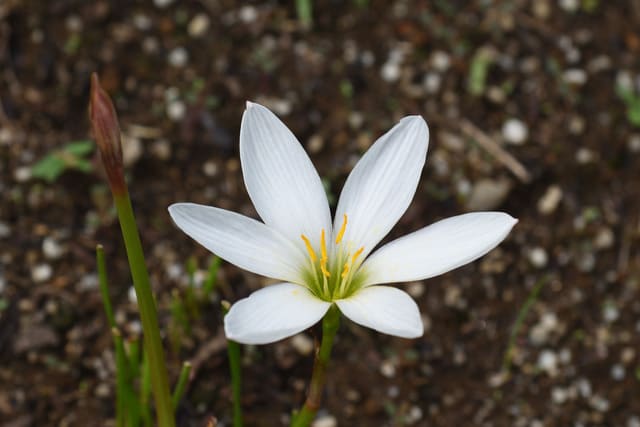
(106, 131)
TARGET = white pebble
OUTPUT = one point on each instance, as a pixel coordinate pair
(584, 156)
(199, 25)
(604, 239)
(178, 57)
(440, 61)
(390, 71)
(325, 421)
(538, 257)
(51, 248)
(515, 131)
(162, 3)
(22, 174)
(548, 362)
(432, 82)
(133, 297)
(633, 144)
(550, 200)
(570, 5)
(610, 313)
(248, 14)
(618, 372)
(5, 230)
(303, 344)
(575, 76)
(176, 110)
(388, 369)
(559, 395)
(41, 273)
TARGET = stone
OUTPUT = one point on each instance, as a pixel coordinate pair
(515, 131)
(488, 194)
(550, 200)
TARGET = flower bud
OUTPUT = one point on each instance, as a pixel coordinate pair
(106, 131)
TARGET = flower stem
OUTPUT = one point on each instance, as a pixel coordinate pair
(330, 325)
(146, 303)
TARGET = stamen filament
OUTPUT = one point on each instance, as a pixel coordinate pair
(307, 243)
(343, 228)
(323, 247)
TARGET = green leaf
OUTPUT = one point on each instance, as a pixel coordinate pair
(49, 168)
(79, 148)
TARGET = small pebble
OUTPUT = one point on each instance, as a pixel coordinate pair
(618, 372)
(22, 174)
(416, 289)
(161, 149)
(176, 110)
(388, 369)
(599, 403)
(51, 248)
(548, 362)
(633, 144)
(610, 313)
(325, 421)
(5, 230)
(570, 6)
(488, 194)
(103, 390)
(633, 421)
(315, 144)
(199, 25)
(248, 14)
(604, 239)
(162, 3)
(41, 273)
(515, 131)
(584, 388)
(432, 83)
(303, 344)
(131, 294)
(550, 200)
(88, 282)
(178, 57)
(440, 61)
(584, 156)
(390, 71)
(538, 257)
(575, 76)
(415, 414)
(559, 395)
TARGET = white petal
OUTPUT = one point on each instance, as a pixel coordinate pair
(273, 313)
(281, 180)
(240, 240)
(385, 309)
(382, 184)
(438, 248)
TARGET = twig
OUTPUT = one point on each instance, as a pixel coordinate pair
(493, 148)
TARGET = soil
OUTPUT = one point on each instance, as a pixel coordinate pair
(525, 114)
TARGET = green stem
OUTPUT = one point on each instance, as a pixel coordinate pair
(178, 392)
(104, 285)
(146, 303)
(330, 325)
(233, 351)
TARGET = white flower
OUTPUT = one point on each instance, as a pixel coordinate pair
(323, 263)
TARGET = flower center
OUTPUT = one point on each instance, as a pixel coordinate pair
(333, 275)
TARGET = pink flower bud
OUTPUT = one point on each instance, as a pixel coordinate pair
(106, 131)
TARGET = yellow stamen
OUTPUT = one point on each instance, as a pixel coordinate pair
(357, 254)
(342, 229)
(324, 270)
(323, 248)
(345, 270)
(312, 254)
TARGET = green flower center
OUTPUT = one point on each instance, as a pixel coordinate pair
(337, 277)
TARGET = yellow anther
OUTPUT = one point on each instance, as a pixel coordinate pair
(342, 229)
(323, 248)
(357, 254)
(345, 270)
(324, 270)
(312, 254)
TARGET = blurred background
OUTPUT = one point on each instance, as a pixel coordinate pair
(533, 107)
